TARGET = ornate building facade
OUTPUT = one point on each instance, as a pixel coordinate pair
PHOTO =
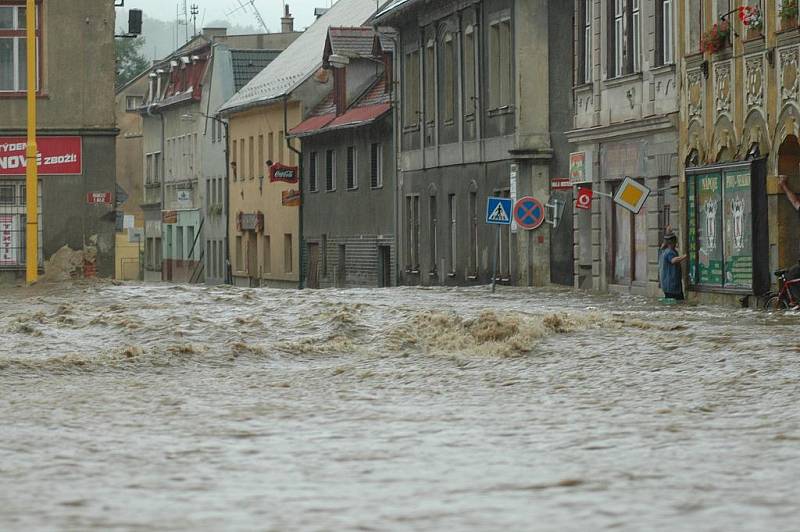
(740, 123)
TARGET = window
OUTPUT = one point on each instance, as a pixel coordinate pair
(7, 195)
(410, 85)
(451, 200)
(470, 99)
(412, 233)
(208, 194)
(239, 253)
(500, 71)
(352, 168)
(132, 103)
(157, 167)
(312, 171)
(330, 170)
(433, 215)
(635, 37)
(430, 82)
(585, 39)
(271, 146)
(260, 162)
(178, 243)
(665, 47)
(376, 166)
(473, 233)
(287, 253)
(618, 38)
(242, 161)
(13, 48)
(449, 85)
(624, 37)
(695, 18)
(251, 158)
(148, 172)
(234, 161)
(267, 254)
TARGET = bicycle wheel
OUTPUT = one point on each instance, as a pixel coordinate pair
(776, 303)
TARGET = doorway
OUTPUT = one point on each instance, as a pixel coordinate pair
(788, 222)
(384, 266)
(312, 280)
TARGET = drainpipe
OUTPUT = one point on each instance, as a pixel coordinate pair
(299, 153)
(226, 197)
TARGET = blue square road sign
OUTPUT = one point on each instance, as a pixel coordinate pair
(498, 211)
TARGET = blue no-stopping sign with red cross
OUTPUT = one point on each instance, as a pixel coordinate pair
(529, 213)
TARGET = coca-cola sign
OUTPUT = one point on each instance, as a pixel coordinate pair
(281, 173)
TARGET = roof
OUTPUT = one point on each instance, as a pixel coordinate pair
(352, 42)
(301, 58)
(373, 104)
(248, 63)
(392, 8)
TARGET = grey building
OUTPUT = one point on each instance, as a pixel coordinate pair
(625, 125)
(348, 166)
(76, 134)
(484, 101)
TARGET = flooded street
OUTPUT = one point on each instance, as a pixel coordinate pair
(157, 407)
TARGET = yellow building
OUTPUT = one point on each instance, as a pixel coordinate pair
(740, 123)
(265, 247)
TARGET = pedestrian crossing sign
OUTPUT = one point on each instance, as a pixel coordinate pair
(631, 194)
(498, 211)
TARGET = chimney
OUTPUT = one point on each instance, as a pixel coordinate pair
(287, 21)
(213, 33)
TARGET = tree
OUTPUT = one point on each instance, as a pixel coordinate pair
(130, 61)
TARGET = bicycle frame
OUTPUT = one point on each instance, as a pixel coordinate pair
(784, 293)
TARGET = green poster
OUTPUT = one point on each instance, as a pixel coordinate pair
(738, 241)
(709, 229)
(691, 212)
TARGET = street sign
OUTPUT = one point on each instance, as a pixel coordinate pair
(631, 195)
(529, 213)
(98, 198)
(560, 183)
(584, 199)
(498, 211)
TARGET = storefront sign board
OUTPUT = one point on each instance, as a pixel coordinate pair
(56, 156)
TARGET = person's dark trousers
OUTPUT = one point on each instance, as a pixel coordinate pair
(678, 296)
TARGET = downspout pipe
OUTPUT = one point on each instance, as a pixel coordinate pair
(301, 282)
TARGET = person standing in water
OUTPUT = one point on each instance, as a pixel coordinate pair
(670, 267)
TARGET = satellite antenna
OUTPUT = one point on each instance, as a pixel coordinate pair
(243, 5)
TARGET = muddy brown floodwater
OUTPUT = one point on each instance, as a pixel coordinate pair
(157, 407)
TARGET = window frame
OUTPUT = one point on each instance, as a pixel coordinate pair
(330, 170)
(376, 165)
(16, 33)
(313, 183)
(352, 168)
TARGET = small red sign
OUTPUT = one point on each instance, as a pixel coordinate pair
(282, 173)
(584, 199)
(560, 183)
(97, 198)
(55, 155)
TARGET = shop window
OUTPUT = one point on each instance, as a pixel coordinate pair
(433, 240)
(412, 233)
(13, 47)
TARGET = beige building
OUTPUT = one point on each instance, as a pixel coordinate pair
(740, 123)
(264, 185)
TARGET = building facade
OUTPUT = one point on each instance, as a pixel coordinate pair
(264, 217)
(739, 133)
(348, 158)
(483, 104)
(625, 126)
(76, 134)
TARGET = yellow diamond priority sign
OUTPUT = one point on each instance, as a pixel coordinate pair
(631, 195)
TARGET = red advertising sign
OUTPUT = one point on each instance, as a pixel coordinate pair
(584, 199)
(96, 198)
(280, 172)
(56, 155)
(560, 183)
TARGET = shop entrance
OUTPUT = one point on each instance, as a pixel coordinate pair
(788, 219)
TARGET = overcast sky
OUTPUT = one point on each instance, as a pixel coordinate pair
(271, 11)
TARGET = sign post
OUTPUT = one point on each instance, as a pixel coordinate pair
(31, 174)
(498, 212)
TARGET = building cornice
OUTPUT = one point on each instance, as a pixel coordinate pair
(634, 128)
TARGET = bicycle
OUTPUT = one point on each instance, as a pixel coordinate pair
(784, 299)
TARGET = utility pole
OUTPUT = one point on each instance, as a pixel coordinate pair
(31, 170)
(194, 10)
